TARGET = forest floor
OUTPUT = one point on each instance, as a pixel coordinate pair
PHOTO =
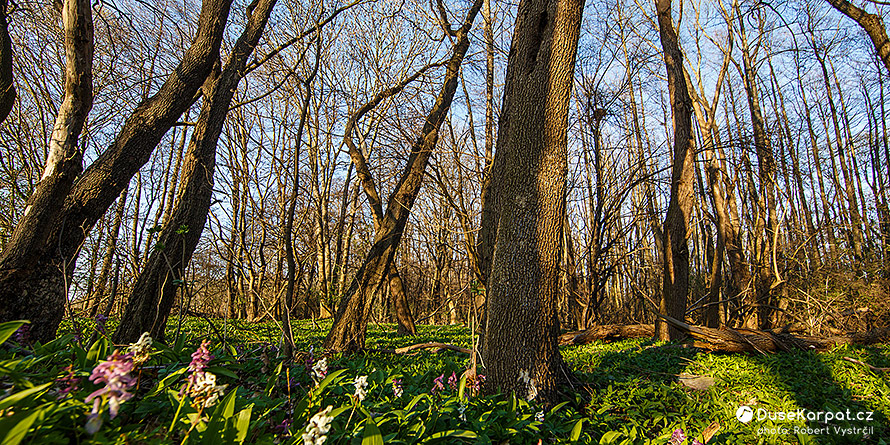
(632, 392)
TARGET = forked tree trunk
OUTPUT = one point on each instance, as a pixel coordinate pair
(676, 223)
(153, 293)
(526, 205)
(33, 232)
(37, 289)
(351, 321)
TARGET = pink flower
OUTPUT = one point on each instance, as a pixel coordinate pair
(453, 380)
(437, 384)
(69, 381)
(200, 357)
(677, 437)
(115, 374)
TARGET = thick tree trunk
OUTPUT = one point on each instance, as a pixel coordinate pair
(37, 290)
(33, 234)
(153, 293)
(351, 321)
(676, 223)
(526, 207)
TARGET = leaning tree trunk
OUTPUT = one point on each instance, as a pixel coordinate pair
(33, 232)
(37, 290)
(153, 293)
(348, 331)
(675, 253)
(528, 192)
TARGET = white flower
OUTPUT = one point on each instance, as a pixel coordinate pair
(320, 369)
(141, 348)
(539, 416)
(361, 383)
(204, 390)
(318, 428)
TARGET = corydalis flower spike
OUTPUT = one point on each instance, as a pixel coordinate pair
(677, 437)
(318, 427)
(115, 374)
(361, 383)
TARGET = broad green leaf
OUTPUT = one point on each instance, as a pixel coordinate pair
(8, 328)
(576, 430)
(609, 437)
(167, 381)
(329, 379)
(462, 387)
(98, 351)
(219, 370)
(242, 424)
(23, 395)
(372, 434)
(451, 434)
(17, 432)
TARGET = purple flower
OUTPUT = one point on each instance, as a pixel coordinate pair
(22, 335)
(201, 385)
(437, 384)
(678, 437)
(397, 390)
(283, 428)
(101, 319)
(115, 374)
(453, 380)
(68, 381)
(200, 357)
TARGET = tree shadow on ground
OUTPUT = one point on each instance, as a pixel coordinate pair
(634, 390)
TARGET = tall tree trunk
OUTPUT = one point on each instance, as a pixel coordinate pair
(855, 230)
(526, 208)
(351, 321)
(153, 293)
(37, 289)
(675, 254)
(33, 234)
(765, 253)
(102, 281)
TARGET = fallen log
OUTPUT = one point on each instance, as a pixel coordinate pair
(607, 333)
(751, 340)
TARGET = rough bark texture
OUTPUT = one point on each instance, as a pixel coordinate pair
(527, 202)
(7, 86)
(33, 232)
(676, 222)
(348, 331)
(153, 293)
(872, 24)
(36, 291)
